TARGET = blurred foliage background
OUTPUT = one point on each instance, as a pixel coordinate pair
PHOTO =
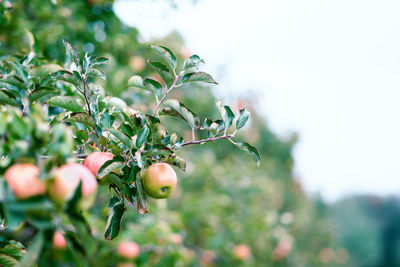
(223, 199)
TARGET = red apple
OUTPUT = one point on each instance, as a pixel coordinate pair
(95, 160)
(59, 240)
(67, 179)
(128, 250)
(24, 181)
(242, 252)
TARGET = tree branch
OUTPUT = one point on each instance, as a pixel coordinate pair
(88, 103)
(173, 85)
(202, 141)
(76, 155)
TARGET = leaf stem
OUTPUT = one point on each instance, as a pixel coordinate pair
(210, 139)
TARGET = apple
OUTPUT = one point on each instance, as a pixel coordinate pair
(24, 181)
(207, 257)
(126, 264)
(175, 238)
(128, 250)
(283, 249)
(95, 160)
(59, 240)
(67, 179)
(159, 180)
(137, 63)
(241, 252)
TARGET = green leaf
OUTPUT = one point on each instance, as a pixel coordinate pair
(96, 73)
(33, 252)
(137, 82)
(20, 71)
(66, 102)
(110, 166)
(10, 252)
(12, 248)
(66, 76)
(5, 99)
(172, 107)
(142, 137)
(193, 61)
(178, 162)
(153, 85)
(243, 117)
(45, 70)
(229, 117)
(43, 93)
(112, 178)
(122, 137)
(226, 114)
(166, 54)
(141, 198)
(73, 205)
(251, 150)
(13, 82)
(162, 70)
(198, 77)
(72, 53)
(98, 60)
(83, 118)
(114, 218)
(214, 127)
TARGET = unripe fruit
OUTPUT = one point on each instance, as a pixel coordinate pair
(24, 181)
(67, 179)
(95, 160)
(59, 240)
(128, 250)
(241, 252)
(159, 180)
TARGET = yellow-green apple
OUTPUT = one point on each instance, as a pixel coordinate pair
(23, 180)
(159, 180)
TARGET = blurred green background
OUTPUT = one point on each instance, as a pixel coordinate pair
(223, 199)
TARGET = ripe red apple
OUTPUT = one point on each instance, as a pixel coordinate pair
(24, 181)
(283, 249)
(175, 238)
(159, 180)
(128, 250)
(67, 179)
(242, 252)
(59, 240)
(95, 160)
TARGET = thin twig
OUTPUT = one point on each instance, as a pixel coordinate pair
(173, 85)
(202, 141)
(88, 103)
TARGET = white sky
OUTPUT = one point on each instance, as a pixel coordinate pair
(329, 70)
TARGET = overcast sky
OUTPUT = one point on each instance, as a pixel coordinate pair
(329, 70)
